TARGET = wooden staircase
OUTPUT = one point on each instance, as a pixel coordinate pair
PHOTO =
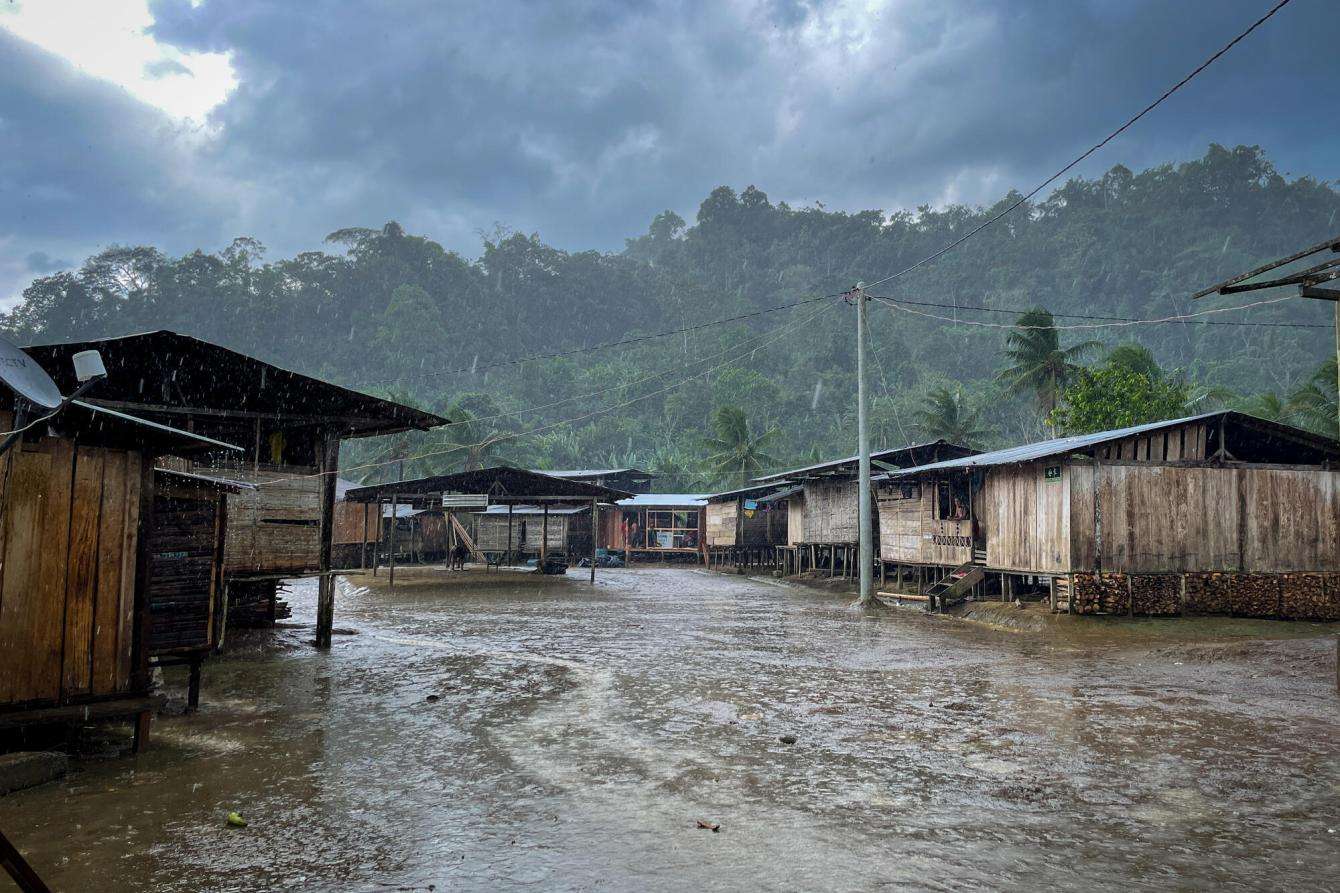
(954, 589)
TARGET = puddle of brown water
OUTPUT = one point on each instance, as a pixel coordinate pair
(579, 734)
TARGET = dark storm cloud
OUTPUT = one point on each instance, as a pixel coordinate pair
(83, 164)
(582, 120)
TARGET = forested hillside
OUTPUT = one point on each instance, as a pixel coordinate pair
(394, 312)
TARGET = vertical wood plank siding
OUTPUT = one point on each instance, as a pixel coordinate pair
(70, 522)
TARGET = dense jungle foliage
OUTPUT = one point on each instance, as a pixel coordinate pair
(394, 313)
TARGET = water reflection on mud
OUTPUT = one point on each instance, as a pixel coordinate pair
(576, 736)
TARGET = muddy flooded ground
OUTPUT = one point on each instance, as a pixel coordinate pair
(535, 733)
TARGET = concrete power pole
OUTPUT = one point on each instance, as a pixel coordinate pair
(867, 546)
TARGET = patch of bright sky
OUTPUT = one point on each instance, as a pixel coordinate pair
(107, 39)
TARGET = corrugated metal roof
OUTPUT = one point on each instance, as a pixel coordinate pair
(783, 494)
(875, 456)
(745, 491)
(588, 472)
(1064, 445)
(533, 510)
(686, 500)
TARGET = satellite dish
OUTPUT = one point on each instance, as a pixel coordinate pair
(27, 379)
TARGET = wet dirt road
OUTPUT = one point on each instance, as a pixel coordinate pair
(578, 735)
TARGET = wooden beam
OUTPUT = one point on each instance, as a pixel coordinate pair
(328, 448)
(1332, 243)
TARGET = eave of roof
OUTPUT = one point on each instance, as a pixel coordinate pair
(1061, 446)
(139, 357)
(836, 465)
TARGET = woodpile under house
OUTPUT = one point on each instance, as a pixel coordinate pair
(289, 426)
(823, 532)
(105, 565)
(1219, 513)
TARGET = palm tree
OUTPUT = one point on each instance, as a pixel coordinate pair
(677, 469)
(1267, 405)
(947, 415)
(737, 451)
(1315, 403)
(1040, 364)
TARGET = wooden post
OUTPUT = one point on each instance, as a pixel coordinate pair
(193, 684)
(594, 515)
(390, 549)
(508, 555)
(377, 544)
(17, 867)
(143, 619)
(363, 546)
(325, 601)
(544, 535)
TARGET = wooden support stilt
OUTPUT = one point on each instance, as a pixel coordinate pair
(390, 550)
(325, 587)
(193, 684)
(595, 508)
(142, 723)
(17, 867)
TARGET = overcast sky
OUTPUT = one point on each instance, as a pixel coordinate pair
(183, 123)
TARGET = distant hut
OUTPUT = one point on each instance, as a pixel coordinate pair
(826, 532)
(290, 427)
(87, 594)
(746, 527)
(657, 527)
(355, 531)
(1215, 513)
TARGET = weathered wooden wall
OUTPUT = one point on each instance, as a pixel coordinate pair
(1170, 444)
(67, 590)
(353, 520)
(183, 548)
(491, 532)
(795, 520)
(832, 512)
(276, 527)
(1026, 518)
(1166, 519)
(721, 522)
(909, 531)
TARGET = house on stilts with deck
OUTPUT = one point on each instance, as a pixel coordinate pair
(1216, 513)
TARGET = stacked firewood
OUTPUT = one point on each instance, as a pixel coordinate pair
(1157, 594)
(1256, 595)
(1101, 594)
(1209, 593)
(1309, 597)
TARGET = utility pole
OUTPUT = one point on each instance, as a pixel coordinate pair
(866, 551)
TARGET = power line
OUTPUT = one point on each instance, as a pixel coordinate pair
(897, 305)
(1121, 319)
(776, 333)
(625, 385)
(474, 367)
(1092, 149)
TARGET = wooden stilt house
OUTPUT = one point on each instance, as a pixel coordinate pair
(1216, 513)
(825, 514)
(290, 427)
(748, 526)
(84, 593)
